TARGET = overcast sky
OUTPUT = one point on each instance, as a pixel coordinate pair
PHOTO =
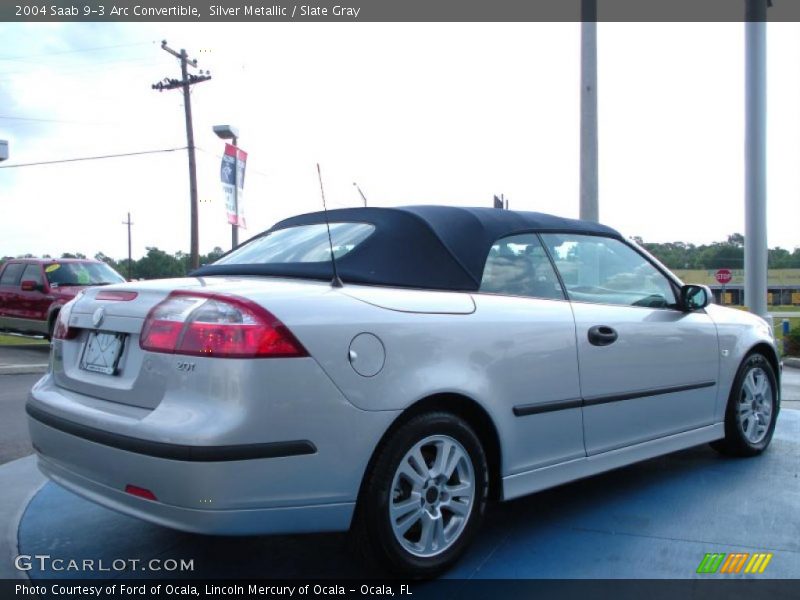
(415, 113)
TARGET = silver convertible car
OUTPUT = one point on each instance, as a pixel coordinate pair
(444, 358)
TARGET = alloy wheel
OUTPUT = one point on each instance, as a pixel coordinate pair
(432, 495)
(754, 410)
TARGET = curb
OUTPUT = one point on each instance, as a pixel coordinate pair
(32, 346)
(791, 361)
(22, 369)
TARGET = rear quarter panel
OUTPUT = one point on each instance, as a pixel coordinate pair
(509, 351)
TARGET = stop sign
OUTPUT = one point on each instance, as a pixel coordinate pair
(723, 276)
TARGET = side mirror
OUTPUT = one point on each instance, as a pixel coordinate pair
(695, 297)
(29, 285)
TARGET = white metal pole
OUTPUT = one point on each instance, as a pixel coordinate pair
(589, 209)
(755, 216)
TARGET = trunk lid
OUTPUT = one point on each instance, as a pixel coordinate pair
(108, 331)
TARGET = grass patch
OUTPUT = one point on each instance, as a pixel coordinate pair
(14, 340)
(777, 322)
(794, 322)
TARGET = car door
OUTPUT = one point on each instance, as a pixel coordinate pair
(9, 292)
(34, 304)
(647, 368)
(530, 357)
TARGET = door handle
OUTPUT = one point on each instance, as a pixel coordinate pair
(602, 335)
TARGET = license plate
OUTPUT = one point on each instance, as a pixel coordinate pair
(102, 352)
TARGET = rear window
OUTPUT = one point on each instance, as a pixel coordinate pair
(301, 244)
(11, 274)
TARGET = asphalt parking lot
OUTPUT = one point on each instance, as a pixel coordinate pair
(15, 360)
(14, 440)
(655, 519)
(20, 367)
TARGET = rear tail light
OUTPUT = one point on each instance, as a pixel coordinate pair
(62, 330)
(223, 326)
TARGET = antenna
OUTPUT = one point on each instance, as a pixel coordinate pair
(337, 283)
(363, 197)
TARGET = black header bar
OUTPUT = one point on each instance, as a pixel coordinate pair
(391, 11)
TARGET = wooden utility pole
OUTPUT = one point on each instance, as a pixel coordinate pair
(171, 84)
(130, 261)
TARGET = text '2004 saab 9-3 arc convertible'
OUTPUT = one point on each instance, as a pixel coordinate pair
(470, 354)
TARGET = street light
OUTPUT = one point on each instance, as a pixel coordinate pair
(229, 132)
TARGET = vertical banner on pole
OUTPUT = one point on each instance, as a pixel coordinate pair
(232, 171)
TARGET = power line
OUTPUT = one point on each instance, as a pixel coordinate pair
(83, 72)
(78, 68)
(40, 120)
(9, 118)
(76, 51)
(82, 158)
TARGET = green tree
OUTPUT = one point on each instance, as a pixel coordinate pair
(109, 261)
(207, 259)
(158, 264)
(736, 239)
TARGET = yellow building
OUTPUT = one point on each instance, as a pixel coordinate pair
(783, 285)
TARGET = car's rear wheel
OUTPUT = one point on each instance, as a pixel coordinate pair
(425, 497)
(752, 409)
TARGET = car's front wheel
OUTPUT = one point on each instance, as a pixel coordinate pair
(752, 409)
(425, 497)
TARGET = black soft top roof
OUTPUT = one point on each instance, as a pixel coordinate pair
(429, 247)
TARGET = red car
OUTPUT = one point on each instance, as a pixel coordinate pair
(33, 290)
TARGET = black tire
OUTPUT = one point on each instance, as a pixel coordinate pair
(736, 442)
(373, 531)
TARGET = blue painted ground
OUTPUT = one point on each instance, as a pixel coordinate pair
(652, 520)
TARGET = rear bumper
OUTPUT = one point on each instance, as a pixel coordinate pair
(100, 473)
(268, 458)
(285, 519)
(172, 451)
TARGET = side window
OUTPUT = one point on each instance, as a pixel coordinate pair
(608, 271)
(33, 273)
(518, 266)
(11, 274)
